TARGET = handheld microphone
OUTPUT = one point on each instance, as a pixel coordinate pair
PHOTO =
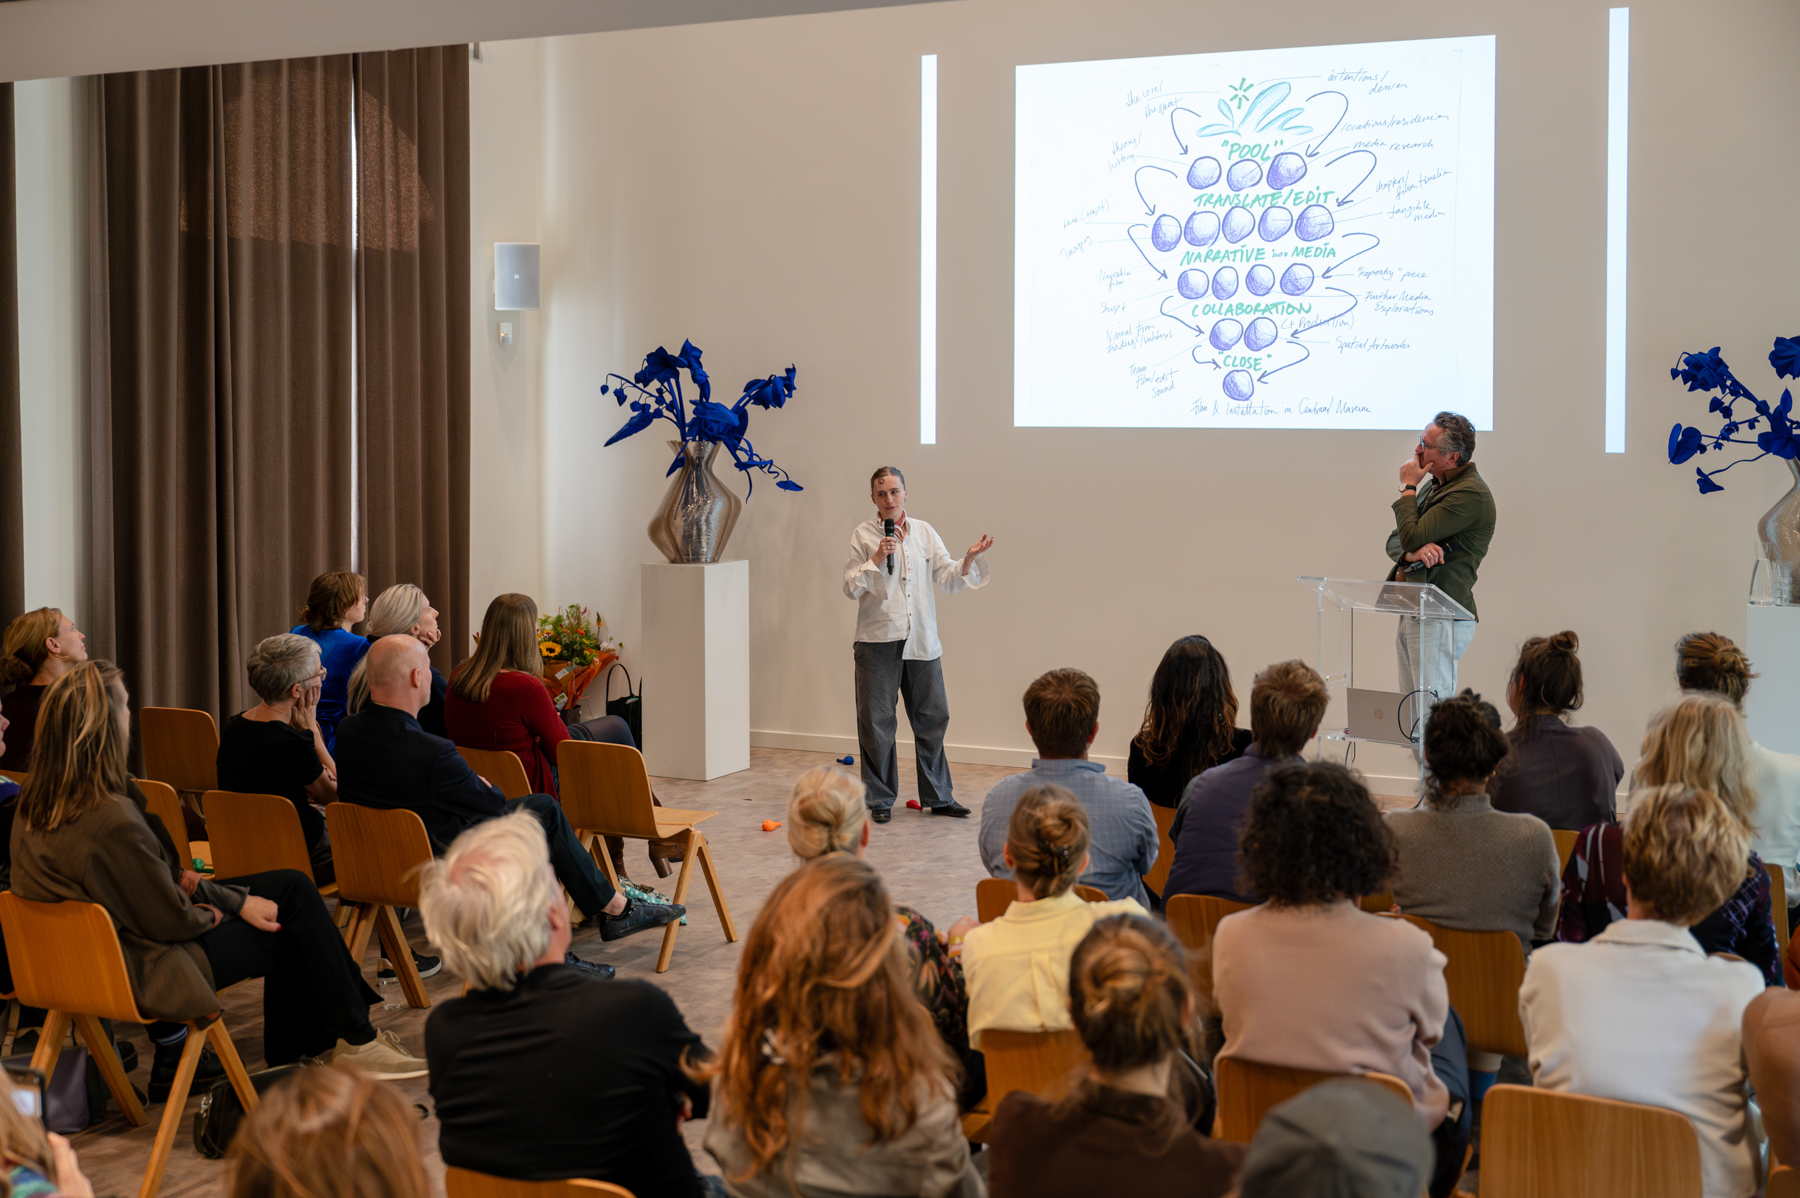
(890, 561)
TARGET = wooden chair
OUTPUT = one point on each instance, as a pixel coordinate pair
(1483, 971)
(1377, 904)
(14, 775)
(1036, 1062)
(66, 958)
(252, 833)
(994, 895)
(377, 855)
(1543, 1142)
(1778, 904)
(606, 792)
(1194, 918)
(181, 747)
(1248, 1090)
(165, 804)
(1091, 894)
(1158, 877)
(1565, 847)
(502, 767)
(1784, 1182)
(466, 1183)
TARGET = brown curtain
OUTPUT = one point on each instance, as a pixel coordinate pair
(412, 329)
(220, 362)
(12, 457)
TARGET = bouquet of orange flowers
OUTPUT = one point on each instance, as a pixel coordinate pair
(574, 651)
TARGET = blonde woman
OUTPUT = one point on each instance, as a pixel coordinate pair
(1699, 740)
(828, 813)
(403, 608)
(40, 647)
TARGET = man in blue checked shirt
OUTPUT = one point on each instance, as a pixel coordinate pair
(1062, 714)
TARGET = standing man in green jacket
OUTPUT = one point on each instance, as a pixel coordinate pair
(1444, 519)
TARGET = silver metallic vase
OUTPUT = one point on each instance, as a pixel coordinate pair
(1780, 532)
(698, 512)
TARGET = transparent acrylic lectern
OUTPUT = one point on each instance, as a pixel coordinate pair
(1341, 601)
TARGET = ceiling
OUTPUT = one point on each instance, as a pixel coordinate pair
(42, 39)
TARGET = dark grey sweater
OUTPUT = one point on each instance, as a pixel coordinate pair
(1466, 866)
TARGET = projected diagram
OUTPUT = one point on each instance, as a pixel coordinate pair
(1296, 238)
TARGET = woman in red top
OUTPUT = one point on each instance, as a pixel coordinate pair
(498, 699)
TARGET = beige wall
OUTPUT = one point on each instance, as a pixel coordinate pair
(753, 186)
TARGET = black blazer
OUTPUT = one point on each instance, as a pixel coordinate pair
(386, 760)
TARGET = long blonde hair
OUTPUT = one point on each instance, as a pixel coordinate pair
(509, 641)
(1699, 740)
(826, 813)
(78, 755)
(23, 652)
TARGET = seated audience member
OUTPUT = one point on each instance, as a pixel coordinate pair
(1339, 1139)
(1772, 1052)
(404, 609)
(827, 813)
(335, 603)
(1309, 980)
(81, 834)
(1287, 701)
(40, 647)
(386, 760)
(1062, 713)
(541, 1071)
(831, 1080)
(1706, 661)
(1190, 723)
(1565, 776)
(1641, 1013)
(498, 699)
(1699, 741)
(1462, 864)
(1119, 1130)
(327, 1133)
(278, 748)
(1017, 966)
(33, 1162)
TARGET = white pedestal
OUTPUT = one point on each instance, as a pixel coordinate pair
(1772, 708)
(696, 656)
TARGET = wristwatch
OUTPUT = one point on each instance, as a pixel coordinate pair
(1405, 487)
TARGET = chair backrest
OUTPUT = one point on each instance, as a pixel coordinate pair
(377, 854)
(1248, 1090)
(1778, 903)
(181, 747)
(605, 788)
(66, 957)
(253, 833)
(1377, 904)
(1536, 1142)
(165, 804)
(1565, 846)
(466, 1183)
(502, 767)
(1091, 894)
(1784, 1182)
(1036, 1062)
(1158, 877)
(1194, 918)
(1482, 972)
(15, 775)
(992, 897)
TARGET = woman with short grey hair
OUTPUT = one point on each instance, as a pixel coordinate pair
(404, 609)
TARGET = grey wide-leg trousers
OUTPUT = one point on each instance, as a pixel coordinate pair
(881, 671)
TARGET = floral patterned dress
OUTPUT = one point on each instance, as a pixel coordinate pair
(938, 978)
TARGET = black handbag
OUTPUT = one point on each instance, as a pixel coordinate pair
(221, 1110)
(629, 706)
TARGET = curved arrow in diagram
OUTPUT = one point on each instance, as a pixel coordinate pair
(1373, 163)
(1149, 208)
(1160, 272)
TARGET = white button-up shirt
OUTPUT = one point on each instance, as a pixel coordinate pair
(901, 606)
(1640, 1014)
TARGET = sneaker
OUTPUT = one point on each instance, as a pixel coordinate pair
(598, 969)
(428, 967)
(168, 1059)
(381, 1058)
(637, 917)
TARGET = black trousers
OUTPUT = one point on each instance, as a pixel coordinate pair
(313, 993)
(573, 865)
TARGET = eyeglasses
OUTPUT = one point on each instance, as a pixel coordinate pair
(1424, 444)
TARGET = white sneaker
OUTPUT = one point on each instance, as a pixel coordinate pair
(381, 1058)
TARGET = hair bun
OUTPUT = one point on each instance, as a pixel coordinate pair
(1565, 642)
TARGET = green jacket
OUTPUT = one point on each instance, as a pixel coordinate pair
(1461, 510)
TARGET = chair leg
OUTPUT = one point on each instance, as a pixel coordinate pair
(362, 923)
(596, 847)
(50, 1042)
(171, 1116)
(107, 1058)
(704, 851)
(343, 914)
(680, 897)
(399, 955)
(227, 1052)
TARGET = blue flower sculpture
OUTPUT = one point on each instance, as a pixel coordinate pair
(654, 393)
(1778, 434)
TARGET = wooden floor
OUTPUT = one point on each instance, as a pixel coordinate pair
(928, 862)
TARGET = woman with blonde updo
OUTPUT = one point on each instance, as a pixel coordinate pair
(1121, 1129)
(1706, 661)
(1566, 776)
(404, 609)
(828, 813)
(830, 1079)
(1697, 741)
(40, 647)
(1018, 965)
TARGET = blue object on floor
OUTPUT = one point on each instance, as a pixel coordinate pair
(846, 761)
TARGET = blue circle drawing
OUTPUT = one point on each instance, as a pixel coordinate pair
(1203, 173)
(1261, 334)
(1275, 223)
(1315, 222)
(1191, 284)
(1225, 283)
(1245, 172)
(1259, 279)
(1239, 385)
(1165, 234)
(1237, 225)
(1287, 169)
(1297, 279)
(1202, 228)
(1225, 334)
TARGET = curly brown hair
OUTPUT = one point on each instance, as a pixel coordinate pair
(1314, 836)
(1463, 743)
(1192, 711)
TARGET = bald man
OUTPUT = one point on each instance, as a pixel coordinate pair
(385, 759)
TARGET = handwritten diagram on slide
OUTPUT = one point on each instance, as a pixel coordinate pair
(1292, 238)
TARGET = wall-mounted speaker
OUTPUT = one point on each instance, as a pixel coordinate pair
(515, 276)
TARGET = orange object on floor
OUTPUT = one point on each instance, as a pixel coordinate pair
(769, 825)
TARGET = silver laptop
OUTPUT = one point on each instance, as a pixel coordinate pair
(1387, 716)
